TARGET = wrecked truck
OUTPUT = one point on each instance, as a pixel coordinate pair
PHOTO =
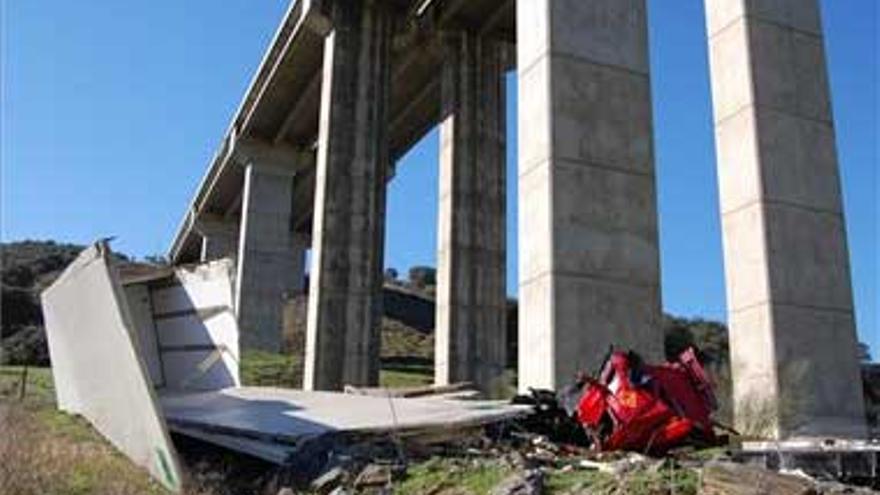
(630, 405)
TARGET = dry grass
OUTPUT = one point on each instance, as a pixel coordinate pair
(49, 453)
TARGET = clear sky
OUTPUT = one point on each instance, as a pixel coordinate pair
(111, 111)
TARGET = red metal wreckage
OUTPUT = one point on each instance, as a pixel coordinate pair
(631, 405)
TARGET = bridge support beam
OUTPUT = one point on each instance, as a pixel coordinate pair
(588, 248)
(219, 239)
(342, 340)
(470, 336)
(792, 332)
(271, 258)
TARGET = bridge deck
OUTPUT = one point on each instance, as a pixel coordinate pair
(281, 106)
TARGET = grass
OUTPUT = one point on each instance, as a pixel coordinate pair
(266, 369)
(404, 379)
(577, 481)
(39, 387)
(447, 476)
(48, 452)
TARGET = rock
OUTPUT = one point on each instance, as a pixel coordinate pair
(529, 482)
(622, 465)
(329, 480)
(286, 491)
(373, 475)
(729, 478)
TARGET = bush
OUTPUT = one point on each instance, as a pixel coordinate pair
(27, 346)
(423, 276)
(20, 308)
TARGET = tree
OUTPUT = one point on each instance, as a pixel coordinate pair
(156, 259)
(423, 276)
(864, 353)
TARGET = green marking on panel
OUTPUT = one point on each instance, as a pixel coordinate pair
(165, 466)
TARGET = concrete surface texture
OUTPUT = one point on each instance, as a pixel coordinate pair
(792, 330)
(219, 238)
(342, 338)
(588, 256)
(96, 367)
(271, 260)
(470, 330)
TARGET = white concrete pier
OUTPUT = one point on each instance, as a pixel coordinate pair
(792, 332)
(588, 256)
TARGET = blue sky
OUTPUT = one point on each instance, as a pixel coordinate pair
(111, 111)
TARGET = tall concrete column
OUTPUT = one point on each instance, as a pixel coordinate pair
(589, 264)
(790, 308)
(342, 340)
(219, 238)
(470, 334)
(271, 259)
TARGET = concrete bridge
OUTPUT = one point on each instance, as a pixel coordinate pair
(347, 87)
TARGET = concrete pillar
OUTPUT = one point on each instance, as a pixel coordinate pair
(589, 264)
(271, 259)
(790, 309)
(219, 239)
(342, 339)
(470, 335)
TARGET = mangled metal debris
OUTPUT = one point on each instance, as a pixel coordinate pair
(139, 356)
(631, 405)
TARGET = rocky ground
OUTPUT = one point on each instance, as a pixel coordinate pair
(48, 452)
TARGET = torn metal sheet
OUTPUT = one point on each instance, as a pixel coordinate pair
(291, 416)
(276, 453)
(97, 366)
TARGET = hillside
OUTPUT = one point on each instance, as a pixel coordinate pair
(27, 268)
(30, 266)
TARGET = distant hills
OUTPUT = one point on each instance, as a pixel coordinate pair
(28, 267)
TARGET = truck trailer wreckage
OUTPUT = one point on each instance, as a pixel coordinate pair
(144, 352)
(144, 355)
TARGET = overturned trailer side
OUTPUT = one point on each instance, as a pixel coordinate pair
(97, 368)
(119, 338)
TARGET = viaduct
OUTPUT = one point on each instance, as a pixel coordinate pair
(348, 86)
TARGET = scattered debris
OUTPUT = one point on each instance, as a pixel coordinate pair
(331, 479)
(373, 475)
(530, 482)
